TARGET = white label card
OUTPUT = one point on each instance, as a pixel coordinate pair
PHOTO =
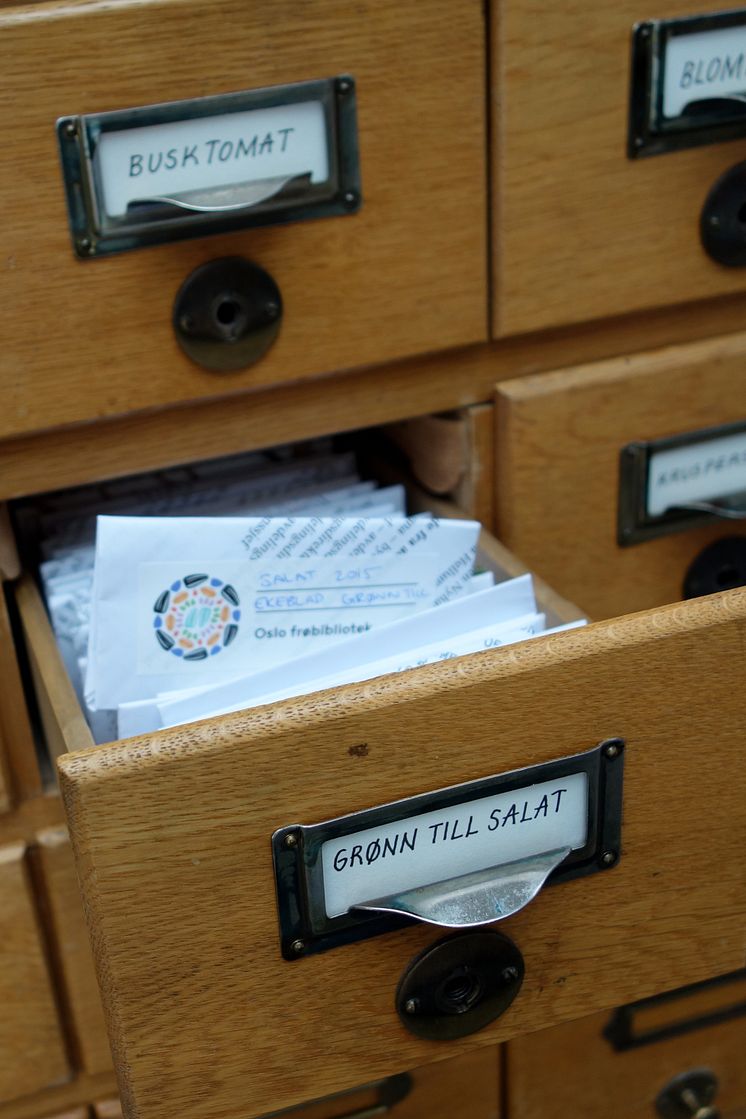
(702, 66)
(449, 842)
(163, 160)
(704, 471)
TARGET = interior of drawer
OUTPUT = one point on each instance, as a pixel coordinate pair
(449, 455)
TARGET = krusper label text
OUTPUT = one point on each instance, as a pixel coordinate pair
(232, 148)
(702, 66)
(703, 471)
(442, 844)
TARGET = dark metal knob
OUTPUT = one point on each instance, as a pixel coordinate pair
(227, 314)
(718, 567)
(459, 984)
(723, 219)
(689, 1096)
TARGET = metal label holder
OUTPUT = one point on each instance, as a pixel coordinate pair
(635, 524)
(709, 121)
(212, 210)
(305, 927)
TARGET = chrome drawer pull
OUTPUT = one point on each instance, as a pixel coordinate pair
(473, 899)
(723, 511)
(220, 200)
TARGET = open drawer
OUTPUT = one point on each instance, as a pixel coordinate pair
(173, 837)
(173, 840)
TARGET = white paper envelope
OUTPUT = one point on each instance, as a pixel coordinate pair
(503, 603)
(490, 637)
(188, 601)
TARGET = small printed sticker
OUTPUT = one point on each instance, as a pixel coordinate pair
(196, 617)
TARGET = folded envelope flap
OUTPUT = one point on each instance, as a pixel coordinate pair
(172, 835)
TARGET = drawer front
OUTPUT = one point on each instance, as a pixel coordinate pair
(73, 950)
(462, 1086)
(581, 231)
(466, 1085)
(404, 275)
(172, 836)
(32, 1053)
(558, 445)
(582, 1074)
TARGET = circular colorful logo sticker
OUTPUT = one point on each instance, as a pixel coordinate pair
(196, 617)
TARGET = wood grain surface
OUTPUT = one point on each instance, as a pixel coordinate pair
(74, 1096)
(32, 1052)
(72, 950)
(582, 1076)
(108, 1109)
(558, 442)
(475, 493)
(581, 231)
(453, 455)
(61, 715)
(465, 1087)
(172, 837)
(145, 440)
(5, 794)
(405, 275)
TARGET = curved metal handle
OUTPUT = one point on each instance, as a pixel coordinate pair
(725, 512)
(475, 899)
(221, 200)
(708, 105)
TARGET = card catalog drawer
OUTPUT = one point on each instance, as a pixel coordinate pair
(73, 950)
(688, 1041)
(402, 273)
(465, 1085)
(567, 501)
(173, 838)
(583, 229)
(31, 1044)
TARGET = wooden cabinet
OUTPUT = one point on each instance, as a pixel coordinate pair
(86, 339)
(386, 318)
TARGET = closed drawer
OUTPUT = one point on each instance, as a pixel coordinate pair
(582, 231)
(32, 1053)
(404, 275)
(172, 835)
(560, 442)
(672, 1042)
(462, 1086)
(72, 949)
